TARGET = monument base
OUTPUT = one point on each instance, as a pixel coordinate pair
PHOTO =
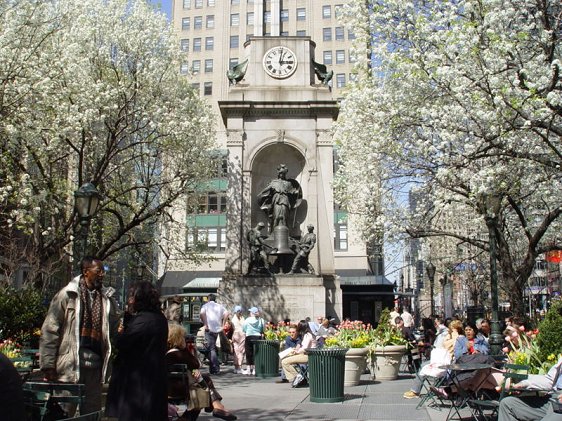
(281, 297)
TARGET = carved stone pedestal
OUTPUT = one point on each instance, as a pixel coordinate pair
(282, 297)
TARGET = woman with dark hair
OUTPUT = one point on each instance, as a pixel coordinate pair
(297, 355)
(137, 389)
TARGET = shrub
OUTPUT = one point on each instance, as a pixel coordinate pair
(549, 338)
(21, 314)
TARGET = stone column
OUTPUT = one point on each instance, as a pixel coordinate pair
(325, 237)
(258, 18)
(275, 18)
(234, 206)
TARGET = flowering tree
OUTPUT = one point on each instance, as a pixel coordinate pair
(462, 102)
(90, 92)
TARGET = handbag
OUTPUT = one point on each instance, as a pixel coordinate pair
(199, 397)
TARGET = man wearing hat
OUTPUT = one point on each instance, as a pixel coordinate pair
(238, 339)
(213, 316)
(253, 328)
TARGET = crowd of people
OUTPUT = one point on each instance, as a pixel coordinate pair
(453, 340)
(86, 339)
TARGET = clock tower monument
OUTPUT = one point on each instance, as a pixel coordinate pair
(279, 111)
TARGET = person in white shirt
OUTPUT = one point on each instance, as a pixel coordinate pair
(408, 318)
(213, 316)
(298, 356)
(393, 315)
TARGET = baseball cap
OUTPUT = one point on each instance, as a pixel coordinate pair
(237, 309)
(254, 310)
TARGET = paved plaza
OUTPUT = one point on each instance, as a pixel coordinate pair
(251, 398)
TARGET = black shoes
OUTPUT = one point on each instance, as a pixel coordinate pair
(225, 415)
(282, 381)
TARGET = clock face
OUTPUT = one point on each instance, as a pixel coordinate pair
(279, 62)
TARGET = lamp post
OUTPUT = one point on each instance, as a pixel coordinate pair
(491, 204)
(86, 200)
(430, 269)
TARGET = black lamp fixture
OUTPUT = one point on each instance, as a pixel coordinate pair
(430, 269)
(86, 201)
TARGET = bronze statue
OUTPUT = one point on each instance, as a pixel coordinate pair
(306, 244)
(258, 256)
(279, 198)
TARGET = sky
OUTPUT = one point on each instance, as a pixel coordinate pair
(164, 5)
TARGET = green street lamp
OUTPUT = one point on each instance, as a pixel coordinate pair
(86, 200)
(430, 269)
(491, 205)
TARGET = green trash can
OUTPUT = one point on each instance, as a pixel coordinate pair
(326, 370)
(266, 358)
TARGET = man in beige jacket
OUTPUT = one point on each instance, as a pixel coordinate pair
(75, 337)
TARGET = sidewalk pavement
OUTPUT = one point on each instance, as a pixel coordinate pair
(251, 398)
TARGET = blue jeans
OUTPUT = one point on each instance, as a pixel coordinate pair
(211, 338)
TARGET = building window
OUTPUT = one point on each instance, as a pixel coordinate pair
(301, 33)
(209, 65)
(198, 4)
(235, 19)
(196, 44)
(208, 88)
(339, 33)
(340, 80)
(210, 239)
(196, 66)
(340, 240)
(210, 3)
(340, 56)
(284, 15)
(184, 68)
(267, 17)
(234, 1)
(210, 21)
(352, 58)
(250, 18)
(301, 13)
(350, 34)
(353, 77)
(196, 86)
(326, 12)
(327, 57)
(209, 43)
(338, 9)
(198, 22)
(185, 24)
(187, 4)
(212, 202)
(234, 41)
(184, 44)
(284, 34)
(232, 62)
(327, 34)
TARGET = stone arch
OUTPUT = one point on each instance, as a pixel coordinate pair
(263, 169)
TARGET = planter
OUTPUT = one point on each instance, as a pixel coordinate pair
(385, 362)
(326, 368)
(355, 365)
(266, 358)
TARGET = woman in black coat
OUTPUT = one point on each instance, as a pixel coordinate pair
(137, 389)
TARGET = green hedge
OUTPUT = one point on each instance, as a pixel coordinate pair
(21, 313)
(550, 331)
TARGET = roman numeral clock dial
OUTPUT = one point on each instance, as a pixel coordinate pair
(279, 62)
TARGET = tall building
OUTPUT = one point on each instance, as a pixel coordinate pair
(219, 34)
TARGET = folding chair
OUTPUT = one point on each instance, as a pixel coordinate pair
(427, 394)
(302, 375)
(42, 398)
(514, 373)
